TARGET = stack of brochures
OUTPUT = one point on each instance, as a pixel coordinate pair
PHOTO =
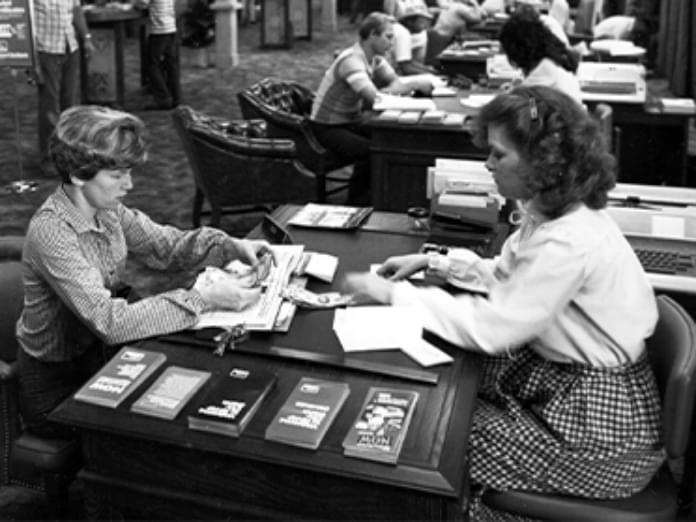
(308, 412)
(315, 215)
(228, 406)
(379, 431)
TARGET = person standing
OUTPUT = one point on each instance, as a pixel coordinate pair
(162, 53)
(58, 25)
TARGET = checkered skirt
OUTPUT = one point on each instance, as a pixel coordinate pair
(566, 428)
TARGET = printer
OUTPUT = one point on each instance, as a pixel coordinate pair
(612, 82)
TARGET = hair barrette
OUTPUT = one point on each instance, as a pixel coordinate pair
(533, 111)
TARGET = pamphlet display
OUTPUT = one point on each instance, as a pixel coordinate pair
(379, 431)
(120, 376)
(228, 406)
(170, 392)
(309, 410)
(315, 215)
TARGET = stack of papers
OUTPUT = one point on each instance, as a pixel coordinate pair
(404, 103)
(368, 328)
(476, 101)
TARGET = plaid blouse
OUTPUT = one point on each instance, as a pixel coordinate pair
(54, 28)
(73, 269)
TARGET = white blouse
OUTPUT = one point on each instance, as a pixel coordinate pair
(552, 75)
(571, 288)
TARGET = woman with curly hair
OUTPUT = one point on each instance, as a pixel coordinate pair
(568, 402)
(543, 58)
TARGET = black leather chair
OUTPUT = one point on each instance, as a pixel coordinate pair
(672, 354)
(285, 106)
(26, 460)
(236, 169)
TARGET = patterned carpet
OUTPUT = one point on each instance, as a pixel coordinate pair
(164, 186)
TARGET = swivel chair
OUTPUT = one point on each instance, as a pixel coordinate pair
(235, 170)
(25, 457)
(672, 354)
(285, 106)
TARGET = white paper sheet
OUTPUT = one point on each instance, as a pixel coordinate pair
(369, 328)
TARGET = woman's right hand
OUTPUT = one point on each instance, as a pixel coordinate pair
(401, 267)
(223, 291)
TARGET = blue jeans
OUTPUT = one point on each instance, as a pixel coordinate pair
(57, 91)
(163, 68)
(44, 385)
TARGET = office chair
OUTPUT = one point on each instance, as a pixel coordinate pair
(285, 106)
(26, 457)
(672, 354)
(237, 171)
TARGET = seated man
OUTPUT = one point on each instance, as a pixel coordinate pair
(350, 85)
(74, 265)
(454, 18)
(410, 40)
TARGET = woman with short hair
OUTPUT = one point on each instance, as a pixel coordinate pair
(74, 264)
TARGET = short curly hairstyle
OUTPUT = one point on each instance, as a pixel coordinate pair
(526, 40)
(89, 138)
(563, 144)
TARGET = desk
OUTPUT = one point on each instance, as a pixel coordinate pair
(400, 155)
(150, 468)
(102, 75)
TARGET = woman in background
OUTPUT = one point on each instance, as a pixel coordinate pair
(568, 402)
(543, 58)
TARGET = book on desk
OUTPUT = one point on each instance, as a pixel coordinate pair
(170, 392)
(119, 377)
(379, 431)
(227, 407)
(308, 412)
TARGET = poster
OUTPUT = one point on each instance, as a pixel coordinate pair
(16, 36)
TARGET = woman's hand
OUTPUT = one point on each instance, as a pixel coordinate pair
(221, 290)
(251, 251)
(401, 267)
(368, 287)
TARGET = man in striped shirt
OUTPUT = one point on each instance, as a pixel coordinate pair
(58, 24)
(351, 85)
(163, 53)
(74, 265)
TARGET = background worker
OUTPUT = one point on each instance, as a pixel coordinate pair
(349, 87)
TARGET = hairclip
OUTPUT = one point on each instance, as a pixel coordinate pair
(533, 111)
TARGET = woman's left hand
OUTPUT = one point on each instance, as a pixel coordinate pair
(365, 285)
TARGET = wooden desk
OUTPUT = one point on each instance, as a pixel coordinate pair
(102, 75)
(400, 155)
(150, 468)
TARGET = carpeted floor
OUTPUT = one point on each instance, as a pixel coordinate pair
(164, 187)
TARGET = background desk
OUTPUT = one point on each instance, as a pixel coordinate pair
(102, 75)
(151, 468)
(400, 155)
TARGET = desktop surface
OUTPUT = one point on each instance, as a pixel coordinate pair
(146, 467)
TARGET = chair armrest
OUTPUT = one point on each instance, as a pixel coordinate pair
(8, 371)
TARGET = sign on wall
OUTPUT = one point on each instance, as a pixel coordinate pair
(16, 35)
